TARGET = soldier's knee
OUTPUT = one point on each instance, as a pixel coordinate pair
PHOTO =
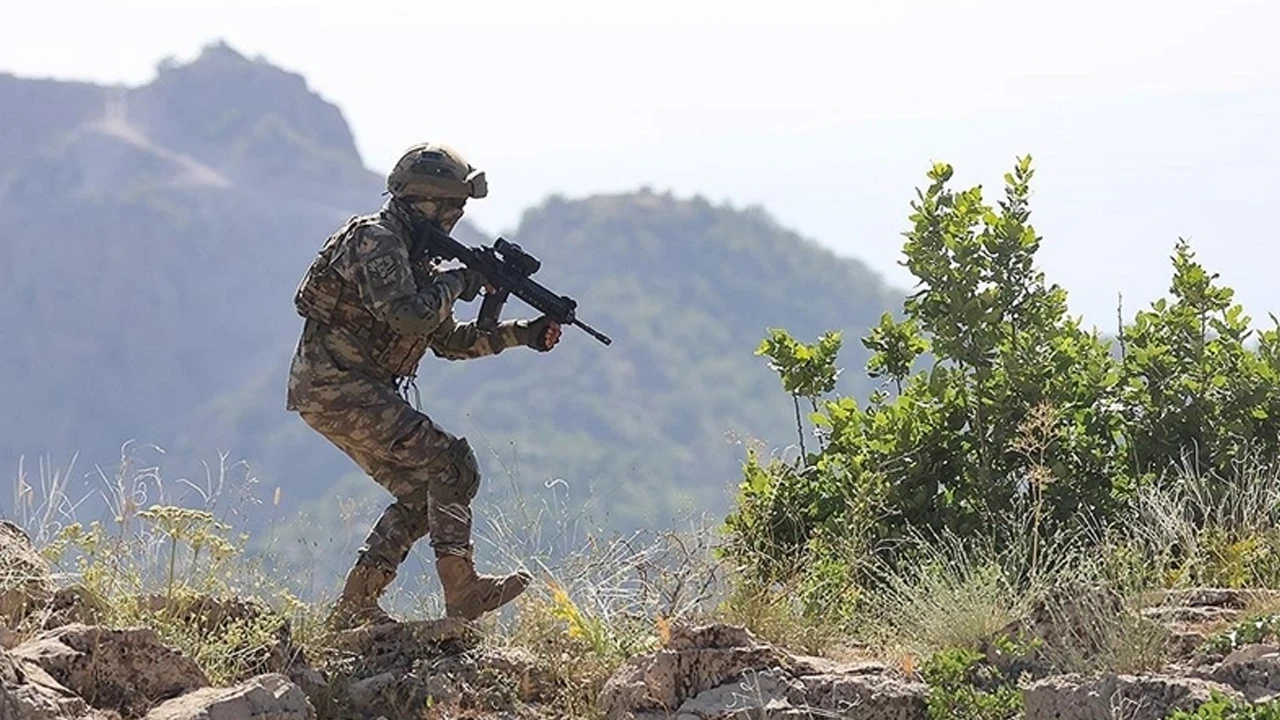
(455, 475)
(466, 467)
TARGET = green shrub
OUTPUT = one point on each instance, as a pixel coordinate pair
(963, 687)
(1222, 708)
(1265, 628)
(996, 403)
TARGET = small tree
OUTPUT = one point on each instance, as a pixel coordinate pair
(806, 371)
(1195, 393)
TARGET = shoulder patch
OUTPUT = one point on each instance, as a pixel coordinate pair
(370, 238)
(382, 269)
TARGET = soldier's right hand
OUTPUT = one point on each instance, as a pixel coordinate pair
(470, 282)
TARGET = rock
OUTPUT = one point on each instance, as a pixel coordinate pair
(808, 665)
(1076, 627)
(208, 613)
(1250, 652)
(1133, 697)
(859, 696)
(395, 670)
(29, 693)
(483, 680)
(415, 639)
(1185, 643)
(313, 682)
(756, 695)
(278, 653)
(1194, 615)
(128, 671)
(74, 605)
(1224, 598)
(1178, 615)
(694, 660)
(265, 697)
(381, 690)
(25, 581)
(721, 672)
(1254, 670)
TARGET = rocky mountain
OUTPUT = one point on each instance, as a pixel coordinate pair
(151, 238)
(144, 230)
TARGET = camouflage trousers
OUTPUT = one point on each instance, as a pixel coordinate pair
(432, 474)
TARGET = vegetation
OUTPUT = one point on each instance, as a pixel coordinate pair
(1261, 629)
(1010, 471)
(1012, 465)
(963, 687)
(1020, 414)
(1221, 708)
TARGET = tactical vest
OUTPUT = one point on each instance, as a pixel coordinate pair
(326, 297)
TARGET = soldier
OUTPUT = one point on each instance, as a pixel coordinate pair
(371, 315)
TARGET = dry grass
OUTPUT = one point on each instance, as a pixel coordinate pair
(596, 600)
(1195, 529)
(599, 600)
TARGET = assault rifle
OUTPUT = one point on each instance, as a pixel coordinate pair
(508, 269)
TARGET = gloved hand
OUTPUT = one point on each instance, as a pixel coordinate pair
(541, 334)
(470, 281)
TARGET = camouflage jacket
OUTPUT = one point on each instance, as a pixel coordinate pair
(372, 314)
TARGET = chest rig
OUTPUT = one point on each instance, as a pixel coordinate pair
(328, 298)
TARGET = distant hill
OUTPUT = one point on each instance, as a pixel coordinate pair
(147, 233)
(151, 239)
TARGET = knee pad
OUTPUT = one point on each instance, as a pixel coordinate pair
(466, 467)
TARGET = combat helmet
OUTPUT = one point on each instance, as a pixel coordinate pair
(429, 171)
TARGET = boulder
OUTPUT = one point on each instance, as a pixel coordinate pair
(694, 660)
(394, 671)
(1133, 697)
(415, 639)
(1254, 670)
(28, 693)
(719, 672)
(25, 581)
(74, 604)
(265, 697)
(127, 671)
(211, 615)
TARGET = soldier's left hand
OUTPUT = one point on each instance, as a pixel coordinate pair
(544, 334)
(552, 336)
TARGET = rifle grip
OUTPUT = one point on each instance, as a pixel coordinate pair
(491, 310)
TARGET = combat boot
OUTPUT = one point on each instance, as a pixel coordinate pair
(358, 604)
(468, 595)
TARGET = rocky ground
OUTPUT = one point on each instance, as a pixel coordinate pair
(71, 667)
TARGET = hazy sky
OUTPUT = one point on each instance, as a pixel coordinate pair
(1148, 120)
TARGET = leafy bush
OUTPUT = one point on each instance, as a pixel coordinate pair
(1265, 628)
(995, 403)
(1220, 707)
(962, 687)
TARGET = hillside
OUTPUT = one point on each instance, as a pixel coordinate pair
(153, 236)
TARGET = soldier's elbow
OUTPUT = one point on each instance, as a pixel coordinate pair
(412, 318)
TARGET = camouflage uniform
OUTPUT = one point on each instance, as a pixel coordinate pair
(371, 315)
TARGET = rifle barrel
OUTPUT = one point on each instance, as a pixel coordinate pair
(593, 332)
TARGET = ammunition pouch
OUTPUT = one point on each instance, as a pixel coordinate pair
(326, 297)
